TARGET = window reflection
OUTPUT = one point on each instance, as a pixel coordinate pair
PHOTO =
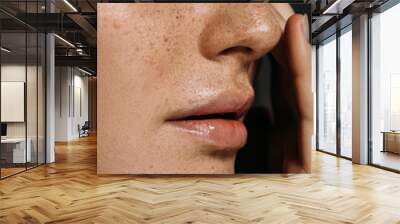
(327, 96)
(346, 94)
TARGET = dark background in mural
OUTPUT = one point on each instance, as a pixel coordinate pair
(258, 155)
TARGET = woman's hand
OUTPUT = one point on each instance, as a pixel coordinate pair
(292, 93)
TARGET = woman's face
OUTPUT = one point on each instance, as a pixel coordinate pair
(175, 81)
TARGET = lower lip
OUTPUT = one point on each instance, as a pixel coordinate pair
(221, 133)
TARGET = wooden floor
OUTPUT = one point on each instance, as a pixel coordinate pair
(5, 172)
(387, 159)
(9, 171)
(69, 191)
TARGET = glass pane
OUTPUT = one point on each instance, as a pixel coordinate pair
(385, 84)
(327, 97)
(13, 88)
(346, 94)
(31, 100)
(314, 75)
(41, 98)
(31, 88)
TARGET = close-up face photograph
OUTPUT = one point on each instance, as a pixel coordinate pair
(203, 88)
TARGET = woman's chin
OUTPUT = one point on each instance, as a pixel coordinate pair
(181, 152)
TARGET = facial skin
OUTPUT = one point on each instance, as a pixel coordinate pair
(165, 71)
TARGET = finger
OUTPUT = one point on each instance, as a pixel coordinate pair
(299, 63)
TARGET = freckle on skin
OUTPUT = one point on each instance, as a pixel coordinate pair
(116, 25)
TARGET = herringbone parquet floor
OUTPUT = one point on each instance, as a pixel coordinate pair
(69, 191)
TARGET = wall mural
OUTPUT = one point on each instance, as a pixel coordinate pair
(215, 88)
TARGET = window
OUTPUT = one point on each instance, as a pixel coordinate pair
(22, 79)
(385, 89)
(327, 96)
(346, 75)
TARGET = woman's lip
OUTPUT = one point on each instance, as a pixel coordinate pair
(223, 134)
(235, 103)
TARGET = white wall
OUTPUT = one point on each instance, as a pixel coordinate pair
(62, 81)
(79, 117)
(12, 73)
(71, 86)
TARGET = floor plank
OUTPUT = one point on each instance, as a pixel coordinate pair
(69, 191)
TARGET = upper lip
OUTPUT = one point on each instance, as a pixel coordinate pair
(229, 103)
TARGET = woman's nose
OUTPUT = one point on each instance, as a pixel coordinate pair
(245, 31)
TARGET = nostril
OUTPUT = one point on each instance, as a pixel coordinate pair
(237, 49)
